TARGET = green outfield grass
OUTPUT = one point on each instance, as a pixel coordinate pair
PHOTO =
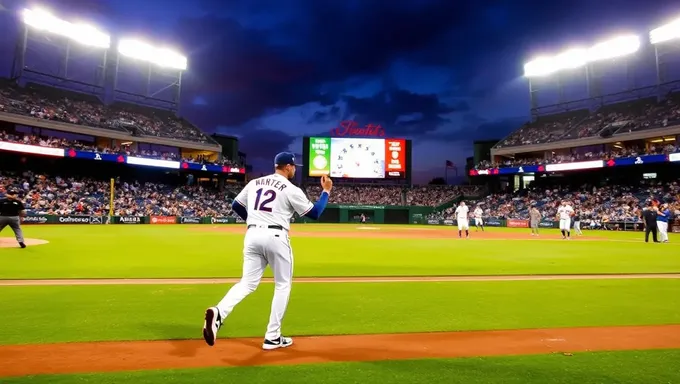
(46, 314)
(190, 251)
(140, 312)
(583, 368)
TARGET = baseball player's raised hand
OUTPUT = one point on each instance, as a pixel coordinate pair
(326, 183)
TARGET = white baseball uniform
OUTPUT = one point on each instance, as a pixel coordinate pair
(271, 202)
(564, 213)
(478, 216)
(462, 217)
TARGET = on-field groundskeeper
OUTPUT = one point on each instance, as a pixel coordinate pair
(267, 204)
(11, 211)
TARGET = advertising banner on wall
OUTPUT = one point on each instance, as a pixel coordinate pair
(493, 222)
(516, 223)
(36, 219)
(189, 220)
(129, 220)
(163, 220)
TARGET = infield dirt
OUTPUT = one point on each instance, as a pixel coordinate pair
(21, 360)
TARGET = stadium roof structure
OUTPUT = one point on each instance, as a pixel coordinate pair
(134, 69)
(588, 64)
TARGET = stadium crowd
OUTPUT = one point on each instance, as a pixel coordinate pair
(601, 155)
(430, 195)
(56, 195)
(55, 142)
(599, 207)
(616, 118)
(59, 105)
(60, 195)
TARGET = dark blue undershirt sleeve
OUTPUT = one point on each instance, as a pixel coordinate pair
(318, 207)
(239, 209)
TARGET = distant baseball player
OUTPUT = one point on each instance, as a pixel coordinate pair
(462, 219)
(577, 222)
(535, 217)
(662, 216)
(267, 204)
(564, 214)
(479, 222)
(11, 211)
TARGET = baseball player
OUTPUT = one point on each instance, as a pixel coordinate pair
(577, 223)
(267, 204)
(479, 223)
(662, 216)
(462, 219)
(11, 211)
(564, 214)
(535, 217)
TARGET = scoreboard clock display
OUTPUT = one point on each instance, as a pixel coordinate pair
(357, 158)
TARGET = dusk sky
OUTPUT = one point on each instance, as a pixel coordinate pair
(440, 72)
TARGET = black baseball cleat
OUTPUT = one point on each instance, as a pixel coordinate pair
(281, 342)
(22, 245)
(213, 322)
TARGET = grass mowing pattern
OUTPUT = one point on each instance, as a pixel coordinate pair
(152, 312)
(192, 251)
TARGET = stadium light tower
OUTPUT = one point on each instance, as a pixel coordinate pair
(666, 40)
(159, 64)
(41, 26)
(578, 58)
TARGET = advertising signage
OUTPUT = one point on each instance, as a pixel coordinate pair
(117, 158)
(576, 166)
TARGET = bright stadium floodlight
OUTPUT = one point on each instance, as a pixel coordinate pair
(670, 31)
(577, 57)
(80, 33)
(613, 48)
(543, 66)
(160, 56)
(571, 59)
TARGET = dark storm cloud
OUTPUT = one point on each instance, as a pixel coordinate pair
(386, 108)
(478, 128)
(264, 144)
(332, 114)
(241, 68)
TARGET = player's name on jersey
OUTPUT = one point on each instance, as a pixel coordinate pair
(267, 182)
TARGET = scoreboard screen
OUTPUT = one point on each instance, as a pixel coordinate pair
(357, 158)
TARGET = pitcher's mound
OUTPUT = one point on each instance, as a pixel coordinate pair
(10, 242)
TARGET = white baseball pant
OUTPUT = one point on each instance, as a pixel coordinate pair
(565, 224)
(261, 247)
(662, 227)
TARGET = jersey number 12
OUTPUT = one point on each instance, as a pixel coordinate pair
(269, 196)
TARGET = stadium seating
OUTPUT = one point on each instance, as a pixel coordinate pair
(66, 195)
(426, 196)
(600, 208)
(46, 141)
(556, 159)
(48, 103)
(45, 194)
(608, 120)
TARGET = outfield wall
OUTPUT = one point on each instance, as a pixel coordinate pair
(334, 213)
(339, 214)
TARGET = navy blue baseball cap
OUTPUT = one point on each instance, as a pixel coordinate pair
(285, 158)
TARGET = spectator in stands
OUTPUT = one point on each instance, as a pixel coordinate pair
(43, 194)
(613, 119)
(64, 106)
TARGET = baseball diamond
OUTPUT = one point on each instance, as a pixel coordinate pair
(137, 246)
